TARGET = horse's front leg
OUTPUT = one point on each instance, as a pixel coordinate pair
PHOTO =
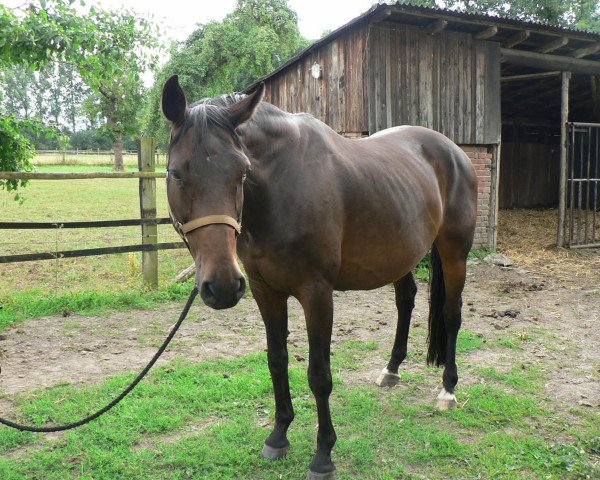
(317, 302)
(273, 308)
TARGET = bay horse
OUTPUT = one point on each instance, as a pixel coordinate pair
(320, 213)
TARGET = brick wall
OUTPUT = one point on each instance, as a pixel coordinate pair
(485, 165)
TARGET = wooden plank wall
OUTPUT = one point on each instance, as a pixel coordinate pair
(338, 97)
(447, 81)
(529, 175)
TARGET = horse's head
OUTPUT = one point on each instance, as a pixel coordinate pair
(205, 176)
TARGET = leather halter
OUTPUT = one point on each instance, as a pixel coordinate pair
(200, 222)
(183, 228)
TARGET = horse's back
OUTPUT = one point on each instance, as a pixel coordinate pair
(403, 186)
(455, 175)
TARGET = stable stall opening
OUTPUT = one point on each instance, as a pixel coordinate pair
(531, 144)
(530, 166)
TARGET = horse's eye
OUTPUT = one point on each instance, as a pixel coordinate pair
(174, 174)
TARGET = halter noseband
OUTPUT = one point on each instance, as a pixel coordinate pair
(184, 228)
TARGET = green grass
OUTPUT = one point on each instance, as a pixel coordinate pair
(87, 159)
(209, 420)
(468, 341)
(107, 276)
(519, 377)
(35, 303)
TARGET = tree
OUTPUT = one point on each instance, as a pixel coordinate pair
(582, 14)
(106, 47)
(16, 150)
(226, 56)
(120, 104)
(114, 75)
(75, 92)
(52, 94)
(17, 84)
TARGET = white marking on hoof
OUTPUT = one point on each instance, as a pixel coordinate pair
(446, 400)
(387, 379)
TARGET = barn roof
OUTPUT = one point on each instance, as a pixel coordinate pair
(579, 47)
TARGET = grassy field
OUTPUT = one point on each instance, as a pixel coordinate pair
(88, 159)
(100, 199)
(209, 420)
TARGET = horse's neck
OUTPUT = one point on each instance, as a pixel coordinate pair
(268, 141)
(267, 135)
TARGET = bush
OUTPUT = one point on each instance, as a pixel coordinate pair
(90, 140)
(16, 151)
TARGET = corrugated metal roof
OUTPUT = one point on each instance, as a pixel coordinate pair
(507, 20)
(456, 16)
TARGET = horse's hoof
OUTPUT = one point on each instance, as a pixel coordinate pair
(387, 379)
(446, 400)
(321, 476)
(273, 453)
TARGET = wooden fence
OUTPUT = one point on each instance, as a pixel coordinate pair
(149, 222)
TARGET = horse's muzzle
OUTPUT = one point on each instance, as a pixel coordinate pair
(219, 296)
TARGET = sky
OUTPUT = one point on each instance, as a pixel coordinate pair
(179, 17)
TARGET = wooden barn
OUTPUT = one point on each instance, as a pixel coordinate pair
(519, 97)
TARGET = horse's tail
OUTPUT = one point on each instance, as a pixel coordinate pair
(437, 338)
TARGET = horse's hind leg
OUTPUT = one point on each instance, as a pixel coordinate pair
(405, 290)
(454, 265)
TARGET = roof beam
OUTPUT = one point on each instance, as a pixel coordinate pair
(516, 38)
(546, 61)
(529, 76)
(553, 45)
(435, 26)
(585, 51)
(383, 15)
(486, 33)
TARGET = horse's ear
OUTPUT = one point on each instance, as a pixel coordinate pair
(243, 110)
(174, 103)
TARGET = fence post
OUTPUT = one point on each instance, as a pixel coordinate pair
(148, 210)
(562, 194)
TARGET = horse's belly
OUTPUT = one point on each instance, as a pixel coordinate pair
(374, 268)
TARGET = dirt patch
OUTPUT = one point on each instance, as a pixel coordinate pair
(555, 327)
(542, 312)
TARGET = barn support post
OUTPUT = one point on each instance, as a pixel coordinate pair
(494, 196)
(562, 194)
(146, 163)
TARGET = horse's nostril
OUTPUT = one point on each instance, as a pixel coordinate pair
(241, 287)
(206, 290)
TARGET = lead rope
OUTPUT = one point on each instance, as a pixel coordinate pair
(142, 374)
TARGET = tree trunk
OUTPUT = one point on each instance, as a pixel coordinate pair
(118, 149)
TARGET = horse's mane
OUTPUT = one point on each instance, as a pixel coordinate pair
(212, 111)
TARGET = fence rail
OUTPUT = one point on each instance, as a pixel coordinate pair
(90, 252)
(77, 175)
(148, 222)
(134, 222)
(76, 151)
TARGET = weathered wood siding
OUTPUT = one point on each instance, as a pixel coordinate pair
(380, 75)
(530, 174)
(447, 81)
(338, 97)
